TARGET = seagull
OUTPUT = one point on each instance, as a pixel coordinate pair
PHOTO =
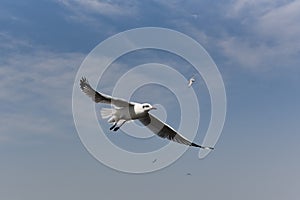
(191, 81)
(123, 111)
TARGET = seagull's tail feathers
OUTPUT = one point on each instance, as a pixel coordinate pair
(107, 112)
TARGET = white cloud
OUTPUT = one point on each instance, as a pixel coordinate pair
(9, 43)
(282, 23)
(251, 34)
(243, 53)
(264, 35)
(100, 15)
(250, 8)
(36, 90)
(270, 37)
(106, 8)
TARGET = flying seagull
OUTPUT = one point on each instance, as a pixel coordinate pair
(124, 111)
(191, 81)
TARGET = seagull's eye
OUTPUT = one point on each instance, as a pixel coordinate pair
(146, 106)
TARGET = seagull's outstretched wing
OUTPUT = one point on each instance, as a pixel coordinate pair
(165, 131)
(101, 98)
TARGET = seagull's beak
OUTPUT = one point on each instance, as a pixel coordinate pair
(153, 108)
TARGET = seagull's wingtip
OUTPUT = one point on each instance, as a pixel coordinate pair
(202, 147)
(83, 82)
(208, 148)
(83, 79)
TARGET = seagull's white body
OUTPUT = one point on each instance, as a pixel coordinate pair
(191, 81)
(124, 111)
(120, 115)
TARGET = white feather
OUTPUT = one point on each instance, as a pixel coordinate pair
(107, 112)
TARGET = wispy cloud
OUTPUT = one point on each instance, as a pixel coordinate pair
(282, 23)
(270, 34)
(250, 8)
(255, 35)
(8, 43)
(85, 9)
(36, 89)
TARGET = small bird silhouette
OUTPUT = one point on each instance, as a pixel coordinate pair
(191, 81)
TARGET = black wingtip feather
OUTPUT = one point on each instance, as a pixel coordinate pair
(202, 147)
(83, 82)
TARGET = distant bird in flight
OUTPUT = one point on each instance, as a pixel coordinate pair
(191, 81)
(124, 111)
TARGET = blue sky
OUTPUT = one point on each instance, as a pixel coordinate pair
(255, 45)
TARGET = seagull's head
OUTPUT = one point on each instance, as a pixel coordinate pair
(147, 107)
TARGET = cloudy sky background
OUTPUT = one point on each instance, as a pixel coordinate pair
(255, 44)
